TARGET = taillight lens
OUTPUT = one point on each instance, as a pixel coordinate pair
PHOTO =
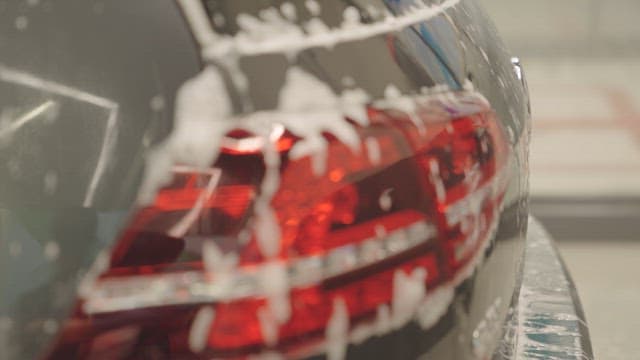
(366, 240)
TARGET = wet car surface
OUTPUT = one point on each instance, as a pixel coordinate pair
(236, 179)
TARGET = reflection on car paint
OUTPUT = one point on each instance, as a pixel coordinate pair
(20, 78)
(181, 149)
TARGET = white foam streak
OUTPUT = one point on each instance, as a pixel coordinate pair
(266, 228)
(198, 20)
(395, 100)
(277, 311)
(373, 150)
(203, 109)
(337, 331)
(348, 32)
(408, 292)
(215, 261)
(200, 329)
(434, 306)
(309, 108)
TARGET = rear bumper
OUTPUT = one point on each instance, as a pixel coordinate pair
(546, 318)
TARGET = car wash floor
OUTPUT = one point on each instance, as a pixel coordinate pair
(585, 185)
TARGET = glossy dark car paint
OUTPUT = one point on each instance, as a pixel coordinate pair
(131, 52)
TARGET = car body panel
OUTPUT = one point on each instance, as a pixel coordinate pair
(547, 319)
(76, 55)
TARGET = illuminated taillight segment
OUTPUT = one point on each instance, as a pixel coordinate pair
(150, 290)
(411, 199)
(462, 161)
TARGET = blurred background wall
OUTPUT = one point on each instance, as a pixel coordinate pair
(573, 28)
(582, 61)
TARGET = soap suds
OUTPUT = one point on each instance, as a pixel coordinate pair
(436, 180)
(289, 11)
(216, 262)
(275, 284)
(395, 100)
(200, 327)
(21, 23)
(202, 112)
(266, 228)
(51, 251)
(284, 39)
(316, 26)
(268, 326)
(348, 81)
(379, 327)
(198, 21)
(157, 103)
(373, 150)
(383, 320)
(408, 292)
(433, 307)
(270, 23)
(313, 7)
(219, 19)
(385, 201)
(352, 102)
(309, 108)
(277, 311)
(350, 17)
(337, 331)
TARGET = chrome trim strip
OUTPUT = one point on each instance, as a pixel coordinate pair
(142, 291)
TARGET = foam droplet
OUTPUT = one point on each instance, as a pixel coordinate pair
(21, 23)
(200, 329)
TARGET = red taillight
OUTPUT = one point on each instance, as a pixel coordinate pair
(406, 214)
